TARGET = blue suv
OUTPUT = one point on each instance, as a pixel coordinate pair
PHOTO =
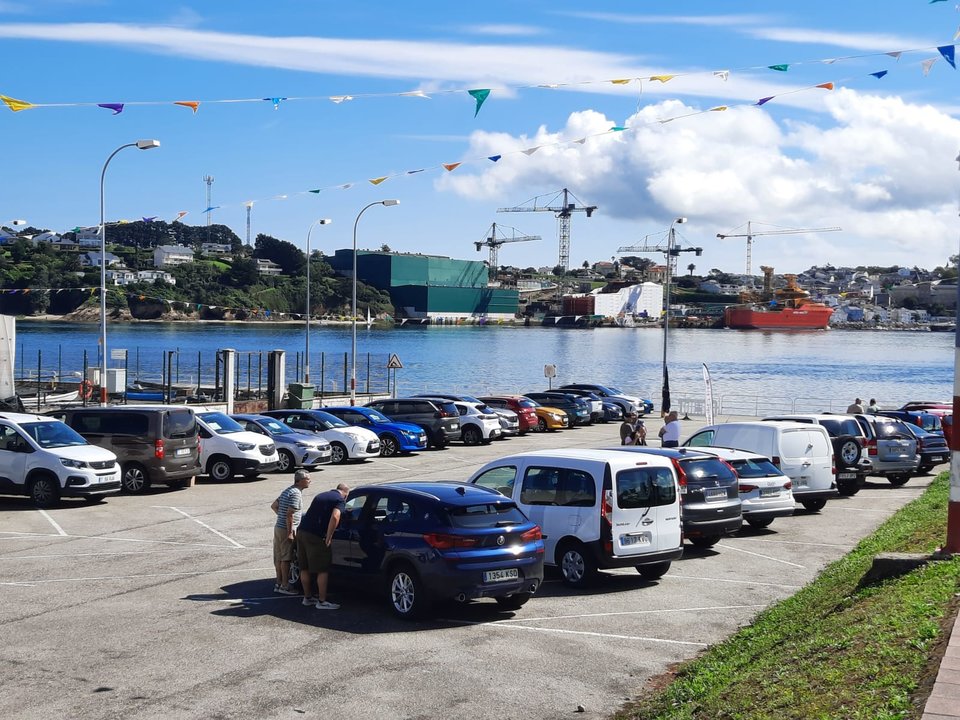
(429, 541)
(395, 437)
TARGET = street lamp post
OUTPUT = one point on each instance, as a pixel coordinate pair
(140, 145)
(306, 347)
(353, 334)
(671, 252)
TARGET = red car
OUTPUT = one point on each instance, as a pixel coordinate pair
(524, 409)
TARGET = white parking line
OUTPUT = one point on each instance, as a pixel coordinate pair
(104, 554)
(765, 557)
(120, 539)
(872, 510)
(798, 542)
(660, 611)
(32, 583)
(53, 522)
(201, 523)
(576, 632)
(672, 576)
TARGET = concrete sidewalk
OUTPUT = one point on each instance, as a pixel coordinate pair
(944, 700)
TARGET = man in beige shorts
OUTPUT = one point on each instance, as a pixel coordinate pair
(289, 509)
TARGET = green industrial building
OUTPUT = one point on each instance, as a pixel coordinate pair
(430, 286)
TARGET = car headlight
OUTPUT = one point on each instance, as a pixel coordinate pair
(303, 445)
(245, 447)
(79, 464)
(555, 416)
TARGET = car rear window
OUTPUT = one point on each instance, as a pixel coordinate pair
(645, 487)
(755, 468)
(486, 515)
(701, 469)
(889, 429)
(179, 424)
(838, 427)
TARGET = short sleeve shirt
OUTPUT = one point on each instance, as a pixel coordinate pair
(671, 431)
(317, 517)
(290, 498)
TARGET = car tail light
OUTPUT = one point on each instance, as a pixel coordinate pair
(681, 478)
(158, 449)
(532, 535)
(606, 507)
(442, 541)
(833, 464)
(788, 485)
(872, 447)
(749, 488)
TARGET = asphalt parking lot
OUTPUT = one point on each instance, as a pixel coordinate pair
(160, 606)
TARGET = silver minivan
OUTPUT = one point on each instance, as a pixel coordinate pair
(597, 508)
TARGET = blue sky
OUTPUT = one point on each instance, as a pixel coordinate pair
(873, 156)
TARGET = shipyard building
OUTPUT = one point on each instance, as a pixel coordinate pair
(430, 286)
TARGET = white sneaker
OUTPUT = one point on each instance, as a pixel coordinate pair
(286, 591)
(326, 605)
(309, 601)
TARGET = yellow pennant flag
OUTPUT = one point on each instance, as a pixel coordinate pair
(451, 166)
(663, 78)
(192, 104)
(14, 104)
(377, 181)
(718, 108)
(621, 82)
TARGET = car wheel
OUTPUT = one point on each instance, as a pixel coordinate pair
(471, 436)
(408, 598)
(653, 571)
(438, 441)
(541, 425)
(513, 602)
(286, 462)
(45, 491)
(898, 479)
(220, 468)
(338, 453)
(814, 505)
(848, 488)
(134, 478)
(577, 568)
(707, 541)
(925, 468)
(848, 451)
(388, 445)
(759, 523)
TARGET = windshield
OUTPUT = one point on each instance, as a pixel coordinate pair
(274, 427)
(613, 391)
(52, 434)
(755, 468)
(220, 423)
(377, 417)
(328, 421)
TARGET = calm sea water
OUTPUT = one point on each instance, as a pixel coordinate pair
(822, 367)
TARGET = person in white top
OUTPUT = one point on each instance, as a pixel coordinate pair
(670, 432)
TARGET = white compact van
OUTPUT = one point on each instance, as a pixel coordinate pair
(596, 508)
(803, 451)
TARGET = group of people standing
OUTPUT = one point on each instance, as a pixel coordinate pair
(857, 407)
(311, 533)
(634, 432)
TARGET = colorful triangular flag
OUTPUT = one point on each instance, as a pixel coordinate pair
(783, 67)
(480, 96)
(662, 78)
(192, 104)
(927, 64)
(116, 107)
(826, 86)
(494, 158)
(879, 74)
(451, 166)
(377, 181)
(948, 54)
(764, 101)
(14, 104)
(276, 101)
(722, 74)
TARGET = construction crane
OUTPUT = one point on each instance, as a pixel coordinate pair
(493, 241)
(563, 212)
(750, 235)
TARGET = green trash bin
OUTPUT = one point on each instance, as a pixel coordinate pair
(300, 396)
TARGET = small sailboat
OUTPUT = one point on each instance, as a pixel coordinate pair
(369, 319)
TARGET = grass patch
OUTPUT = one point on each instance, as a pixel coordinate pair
(833, 650)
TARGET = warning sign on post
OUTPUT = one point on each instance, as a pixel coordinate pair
(394, 362)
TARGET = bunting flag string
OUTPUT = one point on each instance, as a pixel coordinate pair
(479, 95)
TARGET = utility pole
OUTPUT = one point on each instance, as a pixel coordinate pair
(208, 179)
(249, 208)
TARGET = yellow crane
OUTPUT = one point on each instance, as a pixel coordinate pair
(750, 235)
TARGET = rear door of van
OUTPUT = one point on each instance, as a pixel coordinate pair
(806, 456)
(645, 512)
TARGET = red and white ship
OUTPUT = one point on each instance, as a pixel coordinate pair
(788, 308)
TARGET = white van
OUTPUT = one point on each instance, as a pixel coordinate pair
(803, 451)
(596, 508)
(226, 449)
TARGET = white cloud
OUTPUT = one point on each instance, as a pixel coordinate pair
(703, 20)
(881, 168)
(866, 42)
(504, 30)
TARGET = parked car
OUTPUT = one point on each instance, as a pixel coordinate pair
(525, 410)
(766, 493)
(629, 403)
(891, 448)
(478, 423)
(595, 401)
(803, 452)
(597, 508)
(395, 437)
(928, 421)
(346, 441)
(294, 449)
(708, 492)
(226, 449)
(578, 412)
(45, 459)
(931, 447)
(430, 541)
(849, 443)
(509, 421)
(153, 444)
(612, 412)
(439, 419)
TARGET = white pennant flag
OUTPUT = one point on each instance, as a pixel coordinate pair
(927, 64)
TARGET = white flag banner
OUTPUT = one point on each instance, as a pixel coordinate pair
(8, 346)
(707, 394)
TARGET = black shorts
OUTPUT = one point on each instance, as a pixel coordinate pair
(313, 553)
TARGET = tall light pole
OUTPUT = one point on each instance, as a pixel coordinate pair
(353, 334)
(306, 344)
(140, 145)
(670, 254)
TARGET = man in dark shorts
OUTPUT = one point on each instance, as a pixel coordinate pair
(313, 544)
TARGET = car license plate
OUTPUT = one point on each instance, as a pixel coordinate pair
(768, 492)
(501, 575)
(847, 476)
(710, 494)
(937, 458)
(803, 482)
(641, 539)
(182, 451)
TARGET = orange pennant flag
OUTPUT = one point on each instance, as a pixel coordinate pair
(826, 86)
(192, 104)
(451, 166)
(377, 181)
(14, 104)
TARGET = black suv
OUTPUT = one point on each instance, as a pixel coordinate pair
(710, 503)
(440, 419)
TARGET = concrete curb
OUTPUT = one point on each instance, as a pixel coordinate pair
(944, 700)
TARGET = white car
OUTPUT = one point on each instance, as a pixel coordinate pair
(766, 493)
(479, 423)
(46, 459)
(226, 449)
(347, 442)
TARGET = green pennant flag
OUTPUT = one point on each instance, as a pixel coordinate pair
(779, 68)
(480, 96)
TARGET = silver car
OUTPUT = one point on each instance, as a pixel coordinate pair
(891, 448)
(295, 448)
